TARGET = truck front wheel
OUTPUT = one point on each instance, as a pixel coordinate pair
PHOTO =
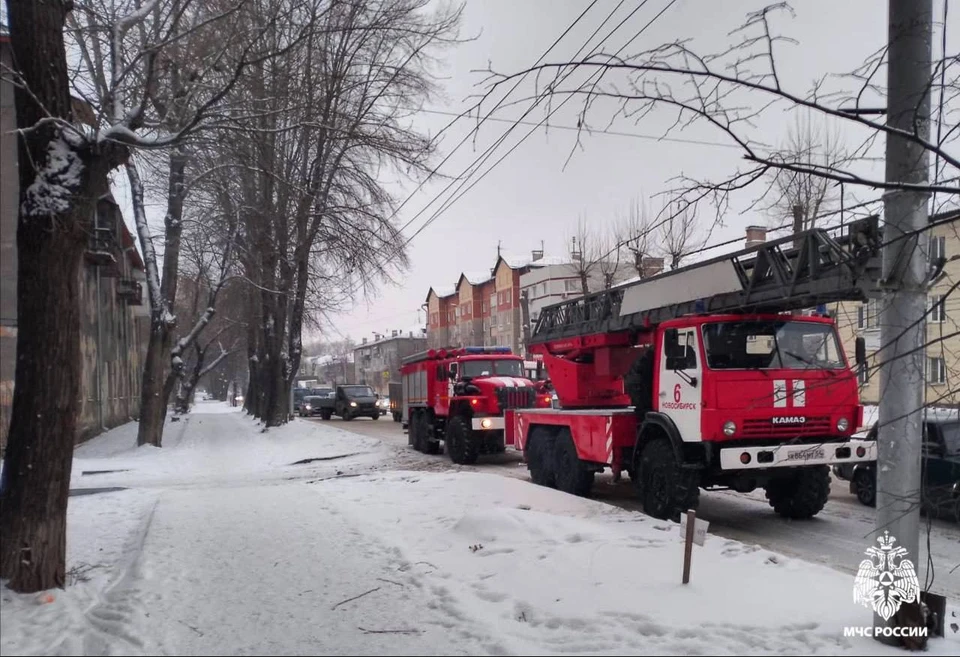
(664, 486)
(462, 445)
(800, 494)
(325, 415)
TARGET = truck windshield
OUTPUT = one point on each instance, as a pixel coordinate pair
(358, 391)
(475, 368)
(779, 344)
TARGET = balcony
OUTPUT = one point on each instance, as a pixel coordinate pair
(130, 291)
(103, 251)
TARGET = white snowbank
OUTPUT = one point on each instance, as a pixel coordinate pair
(225, 546)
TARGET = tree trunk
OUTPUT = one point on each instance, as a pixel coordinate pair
(51, 239)
(153, 400)
(156, 386)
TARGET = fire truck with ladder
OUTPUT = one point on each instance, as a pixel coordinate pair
(714, 376)
(459, 396)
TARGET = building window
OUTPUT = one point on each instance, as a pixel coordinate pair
(508, 296)
(493, 301)
(938, 247)
(570, 285)
(938, 308)
(484, 307)
(543, 289)
(863, 374)
(868, 315)
(936, 371)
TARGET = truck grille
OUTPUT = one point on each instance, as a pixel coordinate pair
(814, 426)
(515, 397)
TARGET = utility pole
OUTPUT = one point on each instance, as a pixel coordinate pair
(904, 274)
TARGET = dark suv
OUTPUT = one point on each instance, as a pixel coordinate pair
(355, 400)
(941, 465)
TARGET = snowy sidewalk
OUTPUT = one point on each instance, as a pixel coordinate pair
(224, 544)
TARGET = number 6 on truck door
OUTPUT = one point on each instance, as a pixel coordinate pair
(681, 381)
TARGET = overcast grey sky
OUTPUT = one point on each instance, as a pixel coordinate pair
(530, 196)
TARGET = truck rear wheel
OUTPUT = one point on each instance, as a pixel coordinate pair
(462, 445)
(571, 474)
(801, 494)
(539, 463)
(664, 486)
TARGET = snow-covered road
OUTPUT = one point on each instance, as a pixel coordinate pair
(313, 540)
(834, 538)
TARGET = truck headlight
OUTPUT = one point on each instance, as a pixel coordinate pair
(485, 423)
(307, 406)
(729, 428)
(353, 403)
(843, 424)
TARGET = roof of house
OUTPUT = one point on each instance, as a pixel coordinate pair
(441, 292)
(475, 278)
(412, 332)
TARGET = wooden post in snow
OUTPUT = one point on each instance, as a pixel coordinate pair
(688, 545)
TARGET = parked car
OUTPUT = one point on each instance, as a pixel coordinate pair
(383, 403)
(941, 462)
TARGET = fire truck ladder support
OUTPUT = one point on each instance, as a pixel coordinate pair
(804, 270)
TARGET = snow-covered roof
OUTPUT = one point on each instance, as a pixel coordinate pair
(515, 261)
(549, 261)
(411, 332)
(476, 278)
(327, 359)
(442, 292)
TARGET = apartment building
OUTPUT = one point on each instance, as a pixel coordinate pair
(548, 280)
(942, 325)
(377, 362)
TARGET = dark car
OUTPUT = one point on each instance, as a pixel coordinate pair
(310, 406)
(298, 395)
(355, 401)
(941, 466)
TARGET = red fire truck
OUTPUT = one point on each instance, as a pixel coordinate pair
(713, 376)
(459, 396)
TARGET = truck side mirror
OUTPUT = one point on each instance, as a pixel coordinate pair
(860, 349)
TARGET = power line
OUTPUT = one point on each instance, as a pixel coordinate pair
(471, 169)
(614, 133)
(453, 199)
(487, 117)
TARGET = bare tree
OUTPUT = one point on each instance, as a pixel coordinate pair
(334, 115)
(183, 91)
(802, 196)
(586, 251)
(127, 52)
(679, 235)
(730, 91)
(638, 237)
(610, 248)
